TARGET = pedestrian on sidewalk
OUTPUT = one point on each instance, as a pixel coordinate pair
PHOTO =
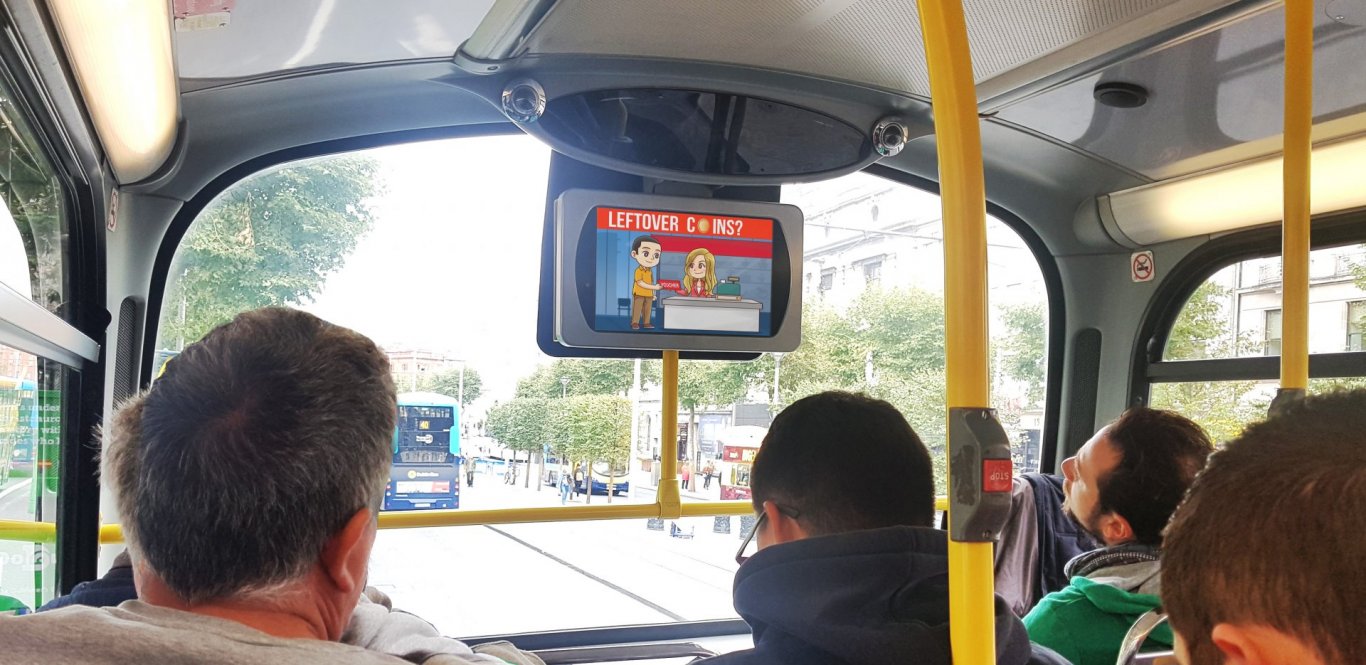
(566, 484)
(707, 472)
(469, 470)
(687, 475)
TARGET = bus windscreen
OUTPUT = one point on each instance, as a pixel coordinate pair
(680, 272)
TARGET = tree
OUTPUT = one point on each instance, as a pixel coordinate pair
(1204, 330)
(711, 383)
(586, 376)
(522, 425)
(1020, 353)
(270, 240)
(448, 383)
(592, 428)
(885, 332)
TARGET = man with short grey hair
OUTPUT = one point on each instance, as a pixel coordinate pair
(248, 478)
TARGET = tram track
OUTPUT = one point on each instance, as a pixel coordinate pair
(598, 579)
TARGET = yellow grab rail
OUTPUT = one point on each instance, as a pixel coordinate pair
(1299, 119)
(958, 137)
(111, 534)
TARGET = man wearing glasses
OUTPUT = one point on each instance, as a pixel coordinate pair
(842, 565)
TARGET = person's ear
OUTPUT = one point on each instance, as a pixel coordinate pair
(1114, 529)
(346, 556)
(1255, 644)
(781, 528)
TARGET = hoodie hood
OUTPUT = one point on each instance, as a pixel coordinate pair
(874, 596)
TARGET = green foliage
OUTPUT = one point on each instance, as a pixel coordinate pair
(705, 383)
(523, 424)
(447, 383)
(586, 377)
(900, 330)
(591, 427)
(270, 240)
(1222, 408)
(1203, 328)
(1020, 354)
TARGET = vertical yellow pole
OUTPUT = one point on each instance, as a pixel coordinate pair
(667, 496)
(1299, 118)
(959, 141)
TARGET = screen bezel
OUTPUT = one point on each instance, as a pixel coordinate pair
(574, 226)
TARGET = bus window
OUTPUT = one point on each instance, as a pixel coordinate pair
(33, 224)
(1236, 313)
(33, 230)
(31, 411)
(433, 250)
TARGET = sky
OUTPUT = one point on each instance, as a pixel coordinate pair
(452, 263)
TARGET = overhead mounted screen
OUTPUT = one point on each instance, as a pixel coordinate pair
(693, 131)
(650, 272)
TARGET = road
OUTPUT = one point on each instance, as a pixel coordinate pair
(481, 580)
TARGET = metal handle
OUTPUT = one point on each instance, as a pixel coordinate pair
(614, 654)
(1138, 634)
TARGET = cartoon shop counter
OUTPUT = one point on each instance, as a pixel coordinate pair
(724, 311)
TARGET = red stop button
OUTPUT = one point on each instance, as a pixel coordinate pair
(996, 474)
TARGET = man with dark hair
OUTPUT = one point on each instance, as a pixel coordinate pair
(1121, 487)
(848, 567)
(646, 251)
(248, 480)
(1264, 562)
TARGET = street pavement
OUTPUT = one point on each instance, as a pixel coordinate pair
(482, 580)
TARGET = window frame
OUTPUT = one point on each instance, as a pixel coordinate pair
(1164, 308)
(78, 491)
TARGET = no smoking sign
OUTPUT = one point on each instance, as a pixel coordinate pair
(1141, 267)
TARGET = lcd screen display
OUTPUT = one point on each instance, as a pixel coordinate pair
(663, 271)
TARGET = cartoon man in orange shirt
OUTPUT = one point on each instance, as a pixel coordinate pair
(646, 251)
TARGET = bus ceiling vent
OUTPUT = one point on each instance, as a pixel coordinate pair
(1121, 95)
(889, 136)
(523, 101)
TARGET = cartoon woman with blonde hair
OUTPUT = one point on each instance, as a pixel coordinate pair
(699, 274)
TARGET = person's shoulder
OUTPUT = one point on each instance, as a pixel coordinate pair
(1058, 610)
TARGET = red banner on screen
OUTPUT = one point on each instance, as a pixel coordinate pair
(681, 223)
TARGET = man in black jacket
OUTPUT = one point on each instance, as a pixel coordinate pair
(848, 567)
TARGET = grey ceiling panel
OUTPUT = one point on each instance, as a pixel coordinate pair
(1225, 106)
(872, 42)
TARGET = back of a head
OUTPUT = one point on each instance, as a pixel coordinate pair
(1161, 452)
(845, 462)
(255, 447)
(1271, 534)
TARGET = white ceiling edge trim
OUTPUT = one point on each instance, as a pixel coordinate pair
(26, 326)
(1237, 197)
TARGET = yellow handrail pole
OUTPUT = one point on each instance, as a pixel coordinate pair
(1299, 119)
(112, 534)
(667, 494)
(958, 137)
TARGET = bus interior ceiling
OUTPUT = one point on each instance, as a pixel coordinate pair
(1049, 150)
(283, 81)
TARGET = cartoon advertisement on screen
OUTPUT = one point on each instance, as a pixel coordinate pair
(682, 272)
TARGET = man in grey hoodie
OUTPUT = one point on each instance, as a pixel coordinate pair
(848, 569)
(248, 479)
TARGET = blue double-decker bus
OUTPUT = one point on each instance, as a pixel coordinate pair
(426, 466)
